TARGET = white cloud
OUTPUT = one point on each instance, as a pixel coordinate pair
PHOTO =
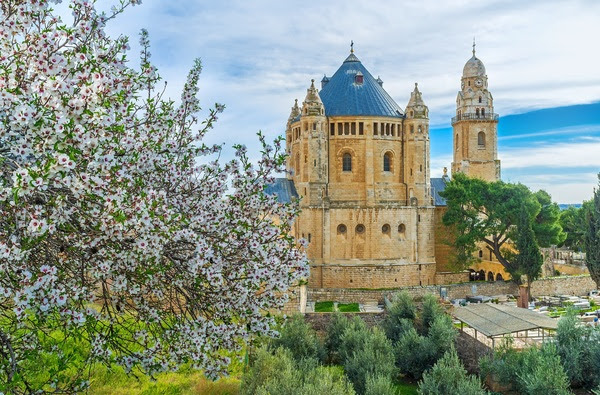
(558, 155)
(259, 56)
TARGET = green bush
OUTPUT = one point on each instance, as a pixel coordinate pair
(333, 338)
(404, 306)
(400, 316)
(277, 373)
(448, 376)
(442, 334)
(533, 371)
(271, 372)
(431, 310)
(326, 380)
(373, 356)
(416, 353)
(298, 337)
(353, 337)
(579, 350)
(380, 385)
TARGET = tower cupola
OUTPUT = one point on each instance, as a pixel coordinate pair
(416, 107)
(312, 102)
(295, 112)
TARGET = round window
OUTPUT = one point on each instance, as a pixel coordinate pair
(385, 228)
(360, 228)
(341, 228)
(401, 228)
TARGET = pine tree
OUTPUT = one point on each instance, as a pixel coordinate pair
(592, 237)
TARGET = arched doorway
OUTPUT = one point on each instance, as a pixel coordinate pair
(481, 276)
(490, 276)
(499, 277)
(472, 275)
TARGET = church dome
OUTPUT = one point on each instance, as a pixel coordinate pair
(474, 68)
(352, 90)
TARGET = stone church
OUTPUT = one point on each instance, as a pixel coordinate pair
(359, 163)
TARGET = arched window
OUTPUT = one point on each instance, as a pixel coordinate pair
(387, 160)
(347, 162)
(481, 139)
(483, 112)
(385, 229)
(456, 141)
(479, 99)
(297, 164)
(477, 112)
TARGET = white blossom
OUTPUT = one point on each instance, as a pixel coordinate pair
(116, 222)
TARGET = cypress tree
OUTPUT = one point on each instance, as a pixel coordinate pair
(592, 237)
(528, 260)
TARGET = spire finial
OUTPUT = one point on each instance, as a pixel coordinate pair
(473, 45)
(351, 46)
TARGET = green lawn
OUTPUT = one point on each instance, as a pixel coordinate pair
(348, 307)
(406, 387)
(115, 381)
(324, 307)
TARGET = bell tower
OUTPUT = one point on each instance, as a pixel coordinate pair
(475, 126)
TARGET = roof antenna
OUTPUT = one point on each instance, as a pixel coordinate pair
(473, 45)
(351, 46)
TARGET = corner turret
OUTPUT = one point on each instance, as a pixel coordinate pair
(416, 137)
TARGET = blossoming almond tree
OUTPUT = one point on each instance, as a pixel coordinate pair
(116, 244)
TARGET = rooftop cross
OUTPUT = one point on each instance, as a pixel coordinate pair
(473, 46)
(351, 46)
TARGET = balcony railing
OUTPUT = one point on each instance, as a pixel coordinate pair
(475, 116)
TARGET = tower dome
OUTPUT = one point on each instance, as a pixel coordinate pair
(474, 67)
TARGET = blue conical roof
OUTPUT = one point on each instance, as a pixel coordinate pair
(343, 96)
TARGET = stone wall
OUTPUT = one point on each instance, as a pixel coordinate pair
(567, 285)
(451, 277)
(371, 276)
(470, 350)
(571, 270)
(564, 285)
(296, 302)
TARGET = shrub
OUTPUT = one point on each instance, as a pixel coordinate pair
(400, 316)
(404, 306)
(380, 385)
(271, 371)
(298, 337)
(373, 356)
(278, 374)
(333, 338)
(448, 376)
(416, 353)
(325, 380)
(353, 337)
(530, 372)
(431, 310)
(442, 334)
(579, 350)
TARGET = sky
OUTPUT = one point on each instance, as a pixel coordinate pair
(541, 57)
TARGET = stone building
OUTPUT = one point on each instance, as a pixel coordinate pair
(371, 213)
